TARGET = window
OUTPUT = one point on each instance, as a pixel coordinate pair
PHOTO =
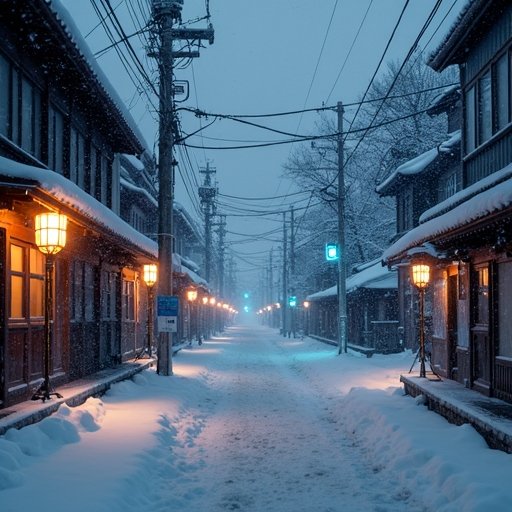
(470, 124)
(448, 186)
(128, 300)
(4, 94)
(77, 292)
(77, 158)
(482, 303)
(505, 309)
(20, 109)
(108, 296)
(488, 103)
(89, 287)
(55, 140)
(17, 282)
(93, 163)
(484, 108)
(36, 283)
(27, 283)
(502, 87)
(103, 181)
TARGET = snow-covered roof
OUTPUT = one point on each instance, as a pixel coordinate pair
(471, 15)
(139, 190)
(67, 23)
(488, 196)
(444, 98)
(134, 161)
(72, 196)
(372, 276)
(419, 163)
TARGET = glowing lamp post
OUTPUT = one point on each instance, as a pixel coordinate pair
(191, 298)
(150, 278)
(50, 234)
(421, 278)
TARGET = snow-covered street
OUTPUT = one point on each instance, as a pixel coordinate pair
(252, 421)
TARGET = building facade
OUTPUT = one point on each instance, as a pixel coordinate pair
(68, 145)
(466, 238)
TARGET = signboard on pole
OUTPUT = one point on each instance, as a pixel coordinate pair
(167, 313)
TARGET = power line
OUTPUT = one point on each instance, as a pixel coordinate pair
(350, 50)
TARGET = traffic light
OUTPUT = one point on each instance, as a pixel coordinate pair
(332, 252)
(292, 301)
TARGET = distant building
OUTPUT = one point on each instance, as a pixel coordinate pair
(372, 310)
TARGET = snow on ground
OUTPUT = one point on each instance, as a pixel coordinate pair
(252, 421)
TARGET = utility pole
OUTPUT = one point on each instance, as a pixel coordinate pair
(165, 14)
(222, 233)
(292, 268)
(208, 193)
(271, 278)
(285, 271)
(342, 265)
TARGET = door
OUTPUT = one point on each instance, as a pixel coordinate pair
(480, 338)
(452, 325)
(3, 331)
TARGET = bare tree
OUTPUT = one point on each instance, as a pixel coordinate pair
(384, 134)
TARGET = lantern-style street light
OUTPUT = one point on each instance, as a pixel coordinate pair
(191, 298)
(50, 235)
(421, 278)
(150, 273)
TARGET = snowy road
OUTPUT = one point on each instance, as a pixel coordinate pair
(272, 441)
(254, 422)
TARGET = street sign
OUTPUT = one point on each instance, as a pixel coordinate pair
(167, 313)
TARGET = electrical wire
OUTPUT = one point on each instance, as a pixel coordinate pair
(349, 51)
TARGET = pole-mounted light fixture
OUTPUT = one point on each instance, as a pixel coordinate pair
(421, 279)
(150, 276)
(50, 237)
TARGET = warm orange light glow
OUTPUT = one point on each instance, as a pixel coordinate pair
(191, 295)
(212, 301)
(50, 231)
(421, 275)
(205, 300)
(150, 274)
(306, 304)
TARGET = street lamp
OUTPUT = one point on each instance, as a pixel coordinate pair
(150, 277)
(191, 297)
(50, 235)
(306, 305)
(421, 278)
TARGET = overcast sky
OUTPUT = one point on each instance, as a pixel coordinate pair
(268, 56)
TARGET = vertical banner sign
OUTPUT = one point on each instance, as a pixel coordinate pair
(167, 313)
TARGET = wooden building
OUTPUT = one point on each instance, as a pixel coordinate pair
(468, 234)
(372, 310)
(417, 185)
(68, 145)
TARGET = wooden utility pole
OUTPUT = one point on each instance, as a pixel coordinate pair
(165, 14)
(342, 257)
(285, 275)
(208, 193)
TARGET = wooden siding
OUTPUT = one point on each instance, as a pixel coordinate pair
(490, 44)
(493, 156)
(503, 379)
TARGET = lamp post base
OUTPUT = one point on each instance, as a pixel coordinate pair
(45, 392)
